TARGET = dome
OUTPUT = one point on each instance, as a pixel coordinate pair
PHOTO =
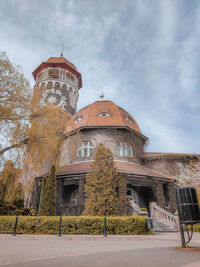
(102, 114)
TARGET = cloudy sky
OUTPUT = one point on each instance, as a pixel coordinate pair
(144, 55)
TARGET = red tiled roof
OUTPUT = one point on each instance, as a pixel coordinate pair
(122, 166)
(89, 117)
(61, 60)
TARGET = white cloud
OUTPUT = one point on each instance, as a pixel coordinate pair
(144, 55)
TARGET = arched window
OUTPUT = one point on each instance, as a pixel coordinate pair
(57, 85)
(85, 149)
(124, 150)
(43, 86)
(53, 74)
(64, 87)
(49, 85)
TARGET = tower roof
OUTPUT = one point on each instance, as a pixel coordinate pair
(61, 60)
(103, 114)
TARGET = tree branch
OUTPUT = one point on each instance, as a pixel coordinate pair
(23, 142)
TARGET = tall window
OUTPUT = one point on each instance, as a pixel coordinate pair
(53, 73)
(85, 149)
(70, 76)
(124, 150)
(73, 197)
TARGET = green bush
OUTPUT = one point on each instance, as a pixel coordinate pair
(196, 228)
(73, 225)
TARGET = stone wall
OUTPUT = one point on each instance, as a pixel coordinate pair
(185, 169)
(165, 195)
(109, 137)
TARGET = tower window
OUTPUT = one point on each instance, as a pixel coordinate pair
(40, 76)
(43, 86)
(70, 89)
(85, 149)
(53, 74)
(49, 85)
(124, 150)
(70, 76)
(57, 85)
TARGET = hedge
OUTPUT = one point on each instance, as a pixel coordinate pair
(196, 227)
(127, 225)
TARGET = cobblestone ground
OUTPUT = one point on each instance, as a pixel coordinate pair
(154, 250)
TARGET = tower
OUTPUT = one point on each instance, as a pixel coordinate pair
(57, 83)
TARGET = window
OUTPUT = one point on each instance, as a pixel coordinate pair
(129, 119)
(53, 73)
(124, 150)
(73, 197)
(70, 76)
(43, 86)
(40, 76)
(78, 119)
(49, 85)
(85, 149)
(104, 114)
(57, 86)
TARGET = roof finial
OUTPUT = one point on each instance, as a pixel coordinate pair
(102, 96)
(61, 55)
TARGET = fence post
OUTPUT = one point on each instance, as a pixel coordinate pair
(104, 228)
(15, 226)
(60, 226)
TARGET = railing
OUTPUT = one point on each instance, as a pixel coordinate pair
(159, 213)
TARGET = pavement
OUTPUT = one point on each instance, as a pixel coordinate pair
(159, 250)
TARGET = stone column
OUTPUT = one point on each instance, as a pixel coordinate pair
(59, 196)
(160, 194)
(171, 197)
(81, 196)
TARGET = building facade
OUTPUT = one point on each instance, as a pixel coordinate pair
(150, 177)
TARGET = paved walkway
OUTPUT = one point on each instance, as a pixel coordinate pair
(158, 250)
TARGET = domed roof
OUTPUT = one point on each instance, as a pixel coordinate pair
(102, 114)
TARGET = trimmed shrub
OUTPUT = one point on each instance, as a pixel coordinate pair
(73, 225)
(196, 228)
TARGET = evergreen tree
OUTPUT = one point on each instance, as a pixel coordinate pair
(103, 186)
(48, 204)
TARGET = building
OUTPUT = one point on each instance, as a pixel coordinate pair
(149, 177)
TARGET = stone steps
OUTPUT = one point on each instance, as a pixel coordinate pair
(162, 226)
